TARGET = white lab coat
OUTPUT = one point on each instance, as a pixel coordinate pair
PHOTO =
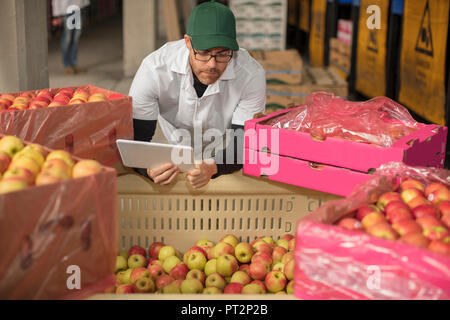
(59, 7)
(163, 90)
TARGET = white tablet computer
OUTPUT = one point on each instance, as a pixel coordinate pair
(150, 155)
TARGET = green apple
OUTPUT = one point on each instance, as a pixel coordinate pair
(121, 264)
(279, 266)
(11, 145)
(171, 288)
(191, 286)
(144, 285)
(202, 243)
(215, 280)
(252, 288)
(283, 243)
(223, 248)
(241, 277)
(196, 260)
(269, 240)
(123, 254)
(137, 261)
(243, 252)
(227, 265)
(290, 287)
(289, 269)
(170, 262)
(231, 239)
(196, 274)
(166, 252)
(126, 278)
(210, 267)
(212, 290)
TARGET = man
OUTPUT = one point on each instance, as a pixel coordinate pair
(70, 15)
(197, 86)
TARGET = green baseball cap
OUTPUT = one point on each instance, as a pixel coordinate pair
(212, 25)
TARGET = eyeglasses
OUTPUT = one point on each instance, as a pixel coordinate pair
(206, 56)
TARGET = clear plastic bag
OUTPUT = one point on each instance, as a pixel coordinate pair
(380, 121)
(334, 263)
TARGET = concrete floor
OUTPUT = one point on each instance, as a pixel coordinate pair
(100, 52)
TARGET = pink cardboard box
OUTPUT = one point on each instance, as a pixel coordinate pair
(332, 165)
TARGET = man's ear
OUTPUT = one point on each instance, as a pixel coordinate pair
(187, 40)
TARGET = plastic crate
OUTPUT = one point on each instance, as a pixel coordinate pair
(179, 216)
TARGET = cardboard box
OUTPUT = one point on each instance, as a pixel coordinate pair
(332, 165)
(86, 130)
(283, 67)
(314, 79)
(52, 229)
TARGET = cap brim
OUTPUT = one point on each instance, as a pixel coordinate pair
(205, 42)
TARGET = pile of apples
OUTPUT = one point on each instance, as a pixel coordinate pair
(415, 214)
(229, 267)
(22, 166)
(45, 99)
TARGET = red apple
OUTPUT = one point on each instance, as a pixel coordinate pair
(278, 253)
(364, 210)
(163, 281)
(42, 98)
(137, 250)
(399, 214)
(85, 168)
(261, 245)
(5, 160)
(153, 250)
(215, 280)
(411, 184)
(287, 237)
(264, 257)
(409, 194)
(407, 226)
(372, 219)
(350, 224)
(291, 246)
(233, 288)
(383, 230)
(156, 271)
(415, 239)
(258, 270)
(138, 273)
(289, 269)
(387, 197)
(439, 195)
(436, 233)
(179, 271)
(446, 219)
(244, 267)
(418, 201)
(241, 277)
(21, 173)
(125, 289)
(443, 207)
(222, 248)
(428, 221)
(439, 246)
(261, 284)
(196, 274)
(433, 187)
(394, 205)
(425, 209)
(115, 96)
(275, 281)
(38, 105)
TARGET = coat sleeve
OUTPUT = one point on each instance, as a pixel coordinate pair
(144, 91)
(253, 100)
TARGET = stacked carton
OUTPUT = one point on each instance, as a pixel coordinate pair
(260, 25)
(340, 55)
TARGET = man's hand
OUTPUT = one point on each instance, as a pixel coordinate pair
(202, 173)
(165, 174)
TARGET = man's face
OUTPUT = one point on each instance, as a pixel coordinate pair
(207, 72)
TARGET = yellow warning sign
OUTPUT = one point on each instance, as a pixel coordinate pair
(317, 35)
(423, 55)
(304, 15)
(371, 50)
